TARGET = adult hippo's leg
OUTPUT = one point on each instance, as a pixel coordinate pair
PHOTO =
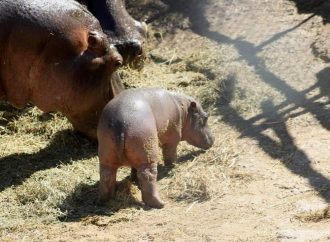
(134, 177)
(147, 175)
(2, 91)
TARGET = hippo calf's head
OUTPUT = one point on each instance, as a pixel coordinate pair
(127, 34)
(196, 131)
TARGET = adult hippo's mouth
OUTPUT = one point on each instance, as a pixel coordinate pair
(133, 53)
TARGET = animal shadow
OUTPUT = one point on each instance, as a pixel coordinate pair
(65, 147)
(84, 201)
(317, 7)
(8, 113)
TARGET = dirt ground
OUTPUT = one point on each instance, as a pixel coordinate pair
(261, 68)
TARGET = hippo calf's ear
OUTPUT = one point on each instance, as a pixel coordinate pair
(193, 108)
(193, 104)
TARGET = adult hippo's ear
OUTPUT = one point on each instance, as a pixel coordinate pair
(96, 43)
(96, 49)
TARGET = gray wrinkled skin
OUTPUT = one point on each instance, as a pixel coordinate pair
(55, 55)
(136, 124)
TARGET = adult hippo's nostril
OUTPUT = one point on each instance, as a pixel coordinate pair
(130, 48)
(137, 47)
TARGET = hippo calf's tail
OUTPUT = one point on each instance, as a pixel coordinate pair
(118, 135)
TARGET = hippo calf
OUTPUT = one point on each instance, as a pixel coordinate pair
(132, 128)
(56, 55)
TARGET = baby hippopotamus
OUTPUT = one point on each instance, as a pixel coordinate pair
(135, 125)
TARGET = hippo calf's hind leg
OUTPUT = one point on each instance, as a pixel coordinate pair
(147, 176)
(107, 185)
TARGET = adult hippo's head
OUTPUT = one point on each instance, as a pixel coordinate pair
(55, 55)
(98, 82)
(127, 34)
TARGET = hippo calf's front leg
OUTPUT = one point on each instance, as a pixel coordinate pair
(147, 176)
(169, 154)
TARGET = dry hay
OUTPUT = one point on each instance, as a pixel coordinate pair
(205, 176)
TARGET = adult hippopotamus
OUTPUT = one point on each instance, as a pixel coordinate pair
(127, 34)
(56, 55)
(134, 124)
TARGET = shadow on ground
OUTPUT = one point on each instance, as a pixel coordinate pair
(84, 202)
(9, 113)
(318, 7)
(272, 116)
(65, 147)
